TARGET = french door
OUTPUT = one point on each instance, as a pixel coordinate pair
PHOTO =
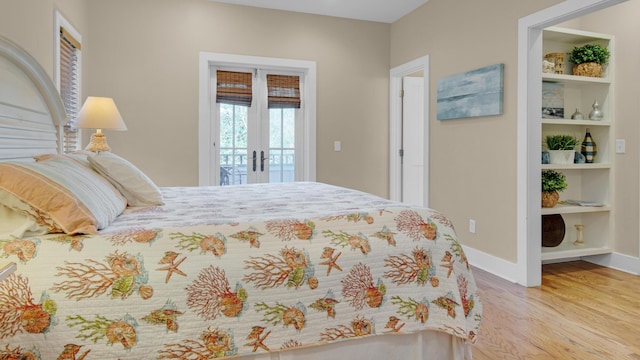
(257, 143)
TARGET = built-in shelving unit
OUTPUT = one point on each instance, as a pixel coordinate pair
(586, 182)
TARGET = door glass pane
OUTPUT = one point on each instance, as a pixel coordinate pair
(282, 145)
(233, 144)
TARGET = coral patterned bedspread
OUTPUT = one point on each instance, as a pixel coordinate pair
(227, 271)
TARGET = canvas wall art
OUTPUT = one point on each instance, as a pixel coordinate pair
(552, 100)
(474, 93)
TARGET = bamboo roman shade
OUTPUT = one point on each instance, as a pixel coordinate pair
(233, 87)
(70, 87)
(283, 91)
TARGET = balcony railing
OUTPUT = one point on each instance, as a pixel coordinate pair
(281, 168)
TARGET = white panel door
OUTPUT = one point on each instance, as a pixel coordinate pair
(413, 140)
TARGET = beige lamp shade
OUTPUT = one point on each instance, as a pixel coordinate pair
(99, 113)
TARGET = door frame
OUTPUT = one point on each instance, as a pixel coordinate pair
(395, 125)
(206, 107)
(529, 255)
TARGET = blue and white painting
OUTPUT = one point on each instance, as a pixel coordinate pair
(474, 93)
(552, 100)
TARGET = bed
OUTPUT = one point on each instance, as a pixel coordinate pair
(266, 271)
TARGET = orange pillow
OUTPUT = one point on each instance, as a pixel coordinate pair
(60, 190)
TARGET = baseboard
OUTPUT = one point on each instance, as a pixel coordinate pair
(509, 271)
(495, 265)
(616, 261)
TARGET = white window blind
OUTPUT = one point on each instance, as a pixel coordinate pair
(70, 87)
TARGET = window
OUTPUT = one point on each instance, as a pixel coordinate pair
(283, 98)
(67, 67)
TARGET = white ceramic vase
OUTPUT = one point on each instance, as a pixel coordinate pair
(561, 156)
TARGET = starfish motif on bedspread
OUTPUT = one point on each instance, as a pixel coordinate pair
(172, 265)
(258, 340)
(331, 262)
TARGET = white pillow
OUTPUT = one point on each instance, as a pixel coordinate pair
(132, 183)
(17, 225)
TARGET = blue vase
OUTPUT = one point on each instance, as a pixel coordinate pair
(545, 157)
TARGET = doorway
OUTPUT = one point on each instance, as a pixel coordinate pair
(529, 132)
(268, 159)
(409, 132)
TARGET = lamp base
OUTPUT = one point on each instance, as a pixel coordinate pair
(98, 143)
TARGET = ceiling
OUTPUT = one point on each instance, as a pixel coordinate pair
(386, 11)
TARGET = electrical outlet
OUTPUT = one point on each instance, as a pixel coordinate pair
(620, 146)
(337, 145)
(472, 226)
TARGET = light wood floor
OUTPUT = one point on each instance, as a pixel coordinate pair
(581, 311)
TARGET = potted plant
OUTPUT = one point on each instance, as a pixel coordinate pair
(553, 182)
(589, 59)
(562, 148)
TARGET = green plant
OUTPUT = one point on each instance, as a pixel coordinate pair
(553, 181)
(561, 142)
(589, 53)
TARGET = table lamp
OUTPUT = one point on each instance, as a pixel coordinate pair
(99, 113)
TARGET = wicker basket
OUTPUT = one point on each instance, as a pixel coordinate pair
(589, 69)
(550, 199)
(558, 60)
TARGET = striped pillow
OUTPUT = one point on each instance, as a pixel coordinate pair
(58, 188)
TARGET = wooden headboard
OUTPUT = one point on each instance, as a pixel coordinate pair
(30, 106)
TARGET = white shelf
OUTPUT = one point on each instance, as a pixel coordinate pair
(573, 209)
(574, 36)
(577, 251)
(572, 79)
(585, 166)
(576, 122)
